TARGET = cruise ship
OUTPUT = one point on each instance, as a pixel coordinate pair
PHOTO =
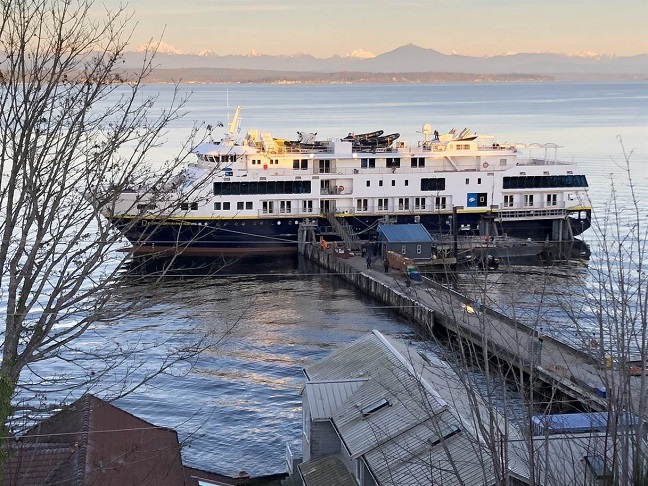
(251, 193)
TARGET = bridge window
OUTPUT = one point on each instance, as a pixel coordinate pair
(261, 187)
(393, 162)
(545, 181)
(433, 184)
(418, 162)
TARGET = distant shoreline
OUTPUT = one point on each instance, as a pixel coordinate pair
(250, 76)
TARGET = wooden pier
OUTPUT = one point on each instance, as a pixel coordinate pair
(578, 375)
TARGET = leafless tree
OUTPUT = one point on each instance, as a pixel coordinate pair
(75, 132)
(604, 309)
(520, 337)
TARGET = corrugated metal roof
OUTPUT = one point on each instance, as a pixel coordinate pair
(404, 233)
(412, 427)
(457, 459)
(329, 471)
(407, 407)
(325, 398)
(358, 360)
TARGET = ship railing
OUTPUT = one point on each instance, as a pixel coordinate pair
(535, 213)
(515, 207)
(297, 212)
(538, 161)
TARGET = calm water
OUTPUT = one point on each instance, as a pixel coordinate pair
(238, 403)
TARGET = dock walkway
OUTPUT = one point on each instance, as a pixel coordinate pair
(576, 373)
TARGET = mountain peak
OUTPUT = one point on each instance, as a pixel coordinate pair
(359, 54)
(161, 48)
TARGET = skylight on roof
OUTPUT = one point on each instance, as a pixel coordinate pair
(444, 433)
(374, 406)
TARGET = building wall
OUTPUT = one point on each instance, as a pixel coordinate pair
(306, 428)
(366, 477)
(324, 441)
(349, 463)
(410, 250)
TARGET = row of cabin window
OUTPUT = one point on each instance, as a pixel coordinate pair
(427, 184)
(302, 164)
(266, 206)
(540, 182)
(404, 204)
(365, 163)
(392, 162)
(528, 200)
(226, 206)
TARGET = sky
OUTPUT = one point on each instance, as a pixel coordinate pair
(325, 28)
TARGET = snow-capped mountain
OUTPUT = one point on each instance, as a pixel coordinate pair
(407, 59)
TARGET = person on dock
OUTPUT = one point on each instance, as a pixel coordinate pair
(368, 261)
(386, 265)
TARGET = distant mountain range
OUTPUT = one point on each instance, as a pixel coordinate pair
(414, 59)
